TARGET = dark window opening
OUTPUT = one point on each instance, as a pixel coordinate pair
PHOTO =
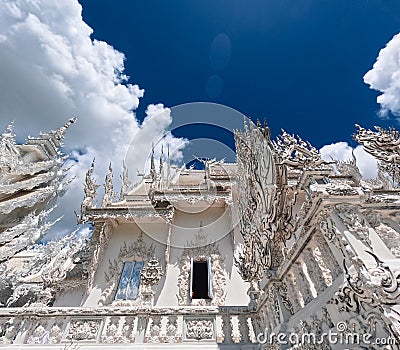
(321, 181)
(200, 280)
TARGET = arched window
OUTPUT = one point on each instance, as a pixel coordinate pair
(129, 282)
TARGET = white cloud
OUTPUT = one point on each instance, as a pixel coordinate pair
(385, 77)
(157, 120)
(51, 70)
(343, 152)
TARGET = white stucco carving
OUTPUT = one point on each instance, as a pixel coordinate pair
(315, 245)
(201, 249)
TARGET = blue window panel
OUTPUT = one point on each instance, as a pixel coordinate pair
(133, 287)
(128, 287)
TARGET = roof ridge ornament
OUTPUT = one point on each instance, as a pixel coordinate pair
(108, 188)
(52, 140)
(9, 132)
(59, 134)
(297, 153)
(153, 172)
(384, 145)
(126, 183)
(90, 192)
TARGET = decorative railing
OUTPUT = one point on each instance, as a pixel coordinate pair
(222, 325)
(304, 282)
(332, 280)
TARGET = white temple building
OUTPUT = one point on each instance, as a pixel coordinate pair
(279, 250)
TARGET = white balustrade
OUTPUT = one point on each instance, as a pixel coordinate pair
(162, 326)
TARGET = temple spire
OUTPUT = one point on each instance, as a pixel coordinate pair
(60, 132)
(246, 128)
(126, 183)
(90, 192)
(108, 188)
(168, 167)
(153, 172)
(161, 167)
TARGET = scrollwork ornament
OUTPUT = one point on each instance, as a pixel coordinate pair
(83, 329)
(354, 296)
(384, 146)
(386, 283)
(199, 329)
(283, 292)
(151, 273)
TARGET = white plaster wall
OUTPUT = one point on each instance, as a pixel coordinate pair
(71, 298)
(153, 233)
(216, 224)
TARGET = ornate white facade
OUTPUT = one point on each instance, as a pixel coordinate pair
(31, 177)
(237, 256)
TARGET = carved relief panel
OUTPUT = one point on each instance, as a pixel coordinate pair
(199, 329)
(390, 237)
(86, 329)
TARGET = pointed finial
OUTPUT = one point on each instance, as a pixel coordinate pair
(9, 133)
(168, 166)
(10, 129)
(246, 128)
(60, 133)
(354, 156)
(92, 165)
(126, 183)
(252, 126)
(161, 168)
(152, 166)
(90, 188)
(153, 172)
(108, 188)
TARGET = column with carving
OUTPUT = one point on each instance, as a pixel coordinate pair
(227, 328)
(141, 327)
(171, 333)
(293, 293)
(327, 257)
(314, 271)
(128, 330)
(302, 283)
(269, 314)
(244, 329)
(154, 333)
(150, 276)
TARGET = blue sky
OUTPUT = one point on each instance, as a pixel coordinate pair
(299, 63)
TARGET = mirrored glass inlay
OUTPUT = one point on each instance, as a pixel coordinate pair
(128, 287)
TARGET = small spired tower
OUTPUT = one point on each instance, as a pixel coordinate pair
(31, 176)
